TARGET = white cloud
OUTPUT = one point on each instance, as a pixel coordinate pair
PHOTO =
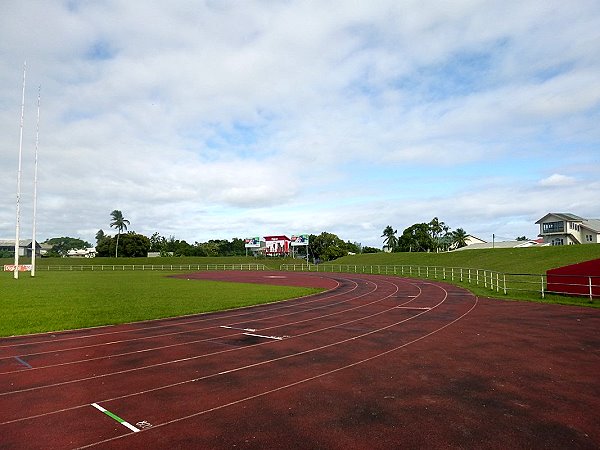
(216, 119)
(557, 180)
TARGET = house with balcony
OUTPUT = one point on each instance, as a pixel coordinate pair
(568, 229)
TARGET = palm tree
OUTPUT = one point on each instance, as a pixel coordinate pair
(120, 224)
(459, 238)
(390, 241)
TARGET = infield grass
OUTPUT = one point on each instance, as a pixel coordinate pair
(54, 301)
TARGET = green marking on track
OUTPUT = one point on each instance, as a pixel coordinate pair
(115, 417)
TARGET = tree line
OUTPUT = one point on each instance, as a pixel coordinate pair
(323, 247)
(433, 236)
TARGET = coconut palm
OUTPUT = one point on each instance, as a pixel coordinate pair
(459, 238)
(120, 224)
(390, 241)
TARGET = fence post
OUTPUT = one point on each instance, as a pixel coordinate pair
(452, 272)
(461, 275)
(497, 282)
(504, 276)
(444, 271)
(591, 295)
(542, 277)
(485, 278)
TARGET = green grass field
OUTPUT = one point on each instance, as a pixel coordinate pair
(64, 300)
(509, 260)
(536, 260)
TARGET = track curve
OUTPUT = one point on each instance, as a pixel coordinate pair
(178, 379)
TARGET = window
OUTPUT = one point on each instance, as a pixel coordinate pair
(553, 227)
(558, 241)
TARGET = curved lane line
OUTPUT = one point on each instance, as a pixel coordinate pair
(271, 360)
(296, 383)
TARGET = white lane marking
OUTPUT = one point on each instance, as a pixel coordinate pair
(252, 365)
(230, 350)
(201, 319)
(296, 383)
(237, 328)
(278, 338)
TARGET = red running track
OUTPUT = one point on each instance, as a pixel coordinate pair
(374, 362)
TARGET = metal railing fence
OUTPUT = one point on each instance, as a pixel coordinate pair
(490, 279)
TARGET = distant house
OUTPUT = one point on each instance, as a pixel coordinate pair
(568, 229)
(501, 244)
(470, 240)
(8, 245)
(82, 253)
(45, 249)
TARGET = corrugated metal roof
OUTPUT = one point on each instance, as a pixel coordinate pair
(9, 242)
(592, 224)
(570, 216)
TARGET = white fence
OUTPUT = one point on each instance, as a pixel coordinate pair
(490, 279)
(115, 267)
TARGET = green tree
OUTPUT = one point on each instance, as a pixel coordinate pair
(105, 246)
(99, 235)
(390, 241)
(416, 238)
(119, 223)
(438, 231)
(459, 238)
(326, 246)
(353, 247)
(61, 245)
(367, 249)
(134, 245)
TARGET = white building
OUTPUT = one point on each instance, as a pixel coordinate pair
(568, 229)
(82, 253)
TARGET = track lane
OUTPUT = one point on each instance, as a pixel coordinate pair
(254, 360)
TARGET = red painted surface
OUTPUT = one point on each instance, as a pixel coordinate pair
(575, 278)
(277, 245)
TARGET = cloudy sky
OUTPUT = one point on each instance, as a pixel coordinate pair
(221, 119)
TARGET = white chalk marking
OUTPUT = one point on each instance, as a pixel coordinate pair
(278, 338)
(413, 307)
(236, 328)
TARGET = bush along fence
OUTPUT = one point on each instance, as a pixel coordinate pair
(169, 267)
(582, 285)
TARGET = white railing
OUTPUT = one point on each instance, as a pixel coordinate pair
(169, 267)
(587, 286)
